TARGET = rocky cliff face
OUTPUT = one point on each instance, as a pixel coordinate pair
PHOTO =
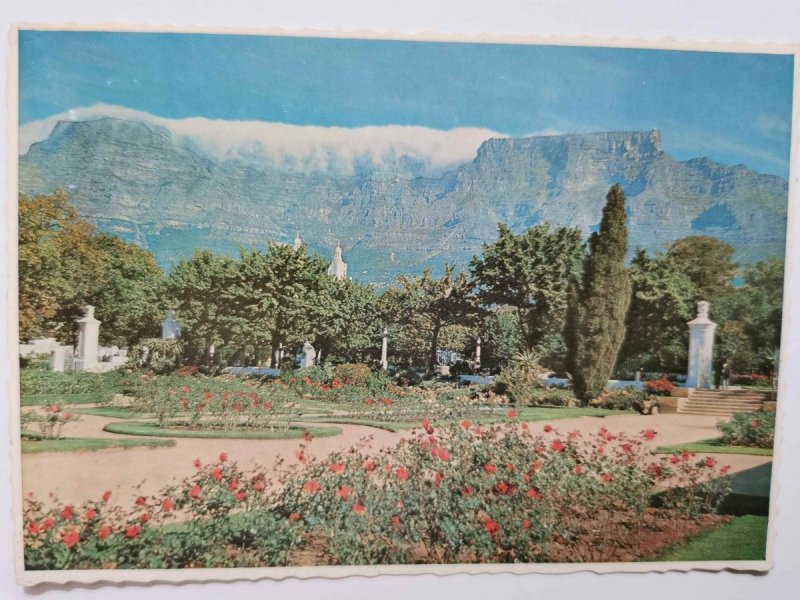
(136, 180)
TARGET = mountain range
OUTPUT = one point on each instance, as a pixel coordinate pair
(174, 193)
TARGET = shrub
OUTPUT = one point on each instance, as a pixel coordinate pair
(626, 399)
(755, 379)
(659, 387)
(352, 373)
(749, 429)
(522, 378)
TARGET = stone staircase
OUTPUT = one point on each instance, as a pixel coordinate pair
(723, 403)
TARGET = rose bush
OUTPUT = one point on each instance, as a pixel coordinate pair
(460, 493)
(749, 429)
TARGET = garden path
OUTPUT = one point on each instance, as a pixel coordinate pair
(75, 477)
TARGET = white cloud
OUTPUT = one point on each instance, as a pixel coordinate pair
(306, 148)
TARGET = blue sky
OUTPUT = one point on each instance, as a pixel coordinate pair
(733, 108)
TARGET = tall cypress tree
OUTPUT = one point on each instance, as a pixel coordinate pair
(596, 322)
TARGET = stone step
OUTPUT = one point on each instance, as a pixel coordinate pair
(725, 401)
(709, 411)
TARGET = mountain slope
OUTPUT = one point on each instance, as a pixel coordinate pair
(137, 180)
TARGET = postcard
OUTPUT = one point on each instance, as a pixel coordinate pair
(314, 305)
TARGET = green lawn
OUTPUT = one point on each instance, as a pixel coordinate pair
(45, 399)
(152, 429)
(115, 412)
(745, 538)
(713, 447)
(34, 446)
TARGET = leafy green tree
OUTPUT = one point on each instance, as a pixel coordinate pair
(706, 261)
(128, 296)
(353, 329)
(59, 265)
(284, 296)
(197, 290)
(596, 323)
(662, 302)
(422, 306)
(501, 336)
(533, 273)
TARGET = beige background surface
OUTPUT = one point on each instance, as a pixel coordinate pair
(705, 20)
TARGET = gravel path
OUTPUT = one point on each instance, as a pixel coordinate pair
(75, 477)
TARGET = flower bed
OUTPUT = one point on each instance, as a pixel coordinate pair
(756, 429)
(461, 493)
(188, 429)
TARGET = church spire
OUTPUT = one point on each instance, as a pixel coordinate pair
(338, 268)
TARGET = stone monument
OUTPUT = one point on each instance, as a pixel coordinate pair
(478, 353)
(701, 349)
(298, 243)
(170, 328)
(88, 336)
(308, 356)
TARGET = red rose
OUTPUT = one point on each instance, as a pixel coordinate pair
(489, 468)
(311, 486)
(207, 396)
(370, 466)
(167, 505)
(67, 512)
(131, 531)
(223, 457)
(141, 500)
(674, 459)
(467, 491)
(426, 423)
(754, 423)
(216, 474)
(294, 516)
(337, 467)
(70, 538)
(106, 496)
(239, 496)
(606, 477)
(233, 484)
(578, 469)
(47, 524)
(402, 474)
(491, 526)
(548, 428)
(627, 448)
(144, 517)
(649, 434)
(358, 509)
(534, 494)
(90, 514)
(511, 413)
(185, 389)
(526, 524)
(343, 492)
(466, 424)
(437, 479)
(725, 469)
(396, 521)
(557, 446)
(33, 528)
(104, 532)
(710, 462)
(258, 485)
(195, 493)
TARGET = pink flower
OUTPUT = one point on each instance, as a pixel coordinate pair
(294, 516)
(358, 509)
(710, 462)
(337, 467)
(223, 457)
(167, 505)
(131, 531)
(343, 492)
(195, 493)
(216, 474)
(91, 514)
(649, 434)
(311, 487)
(754, 423)
(578, 469)
(402, 474)
(67, 512)
(466, 424)
(104, 532)
(489, 468)
(606, 477)
(106, 495)
(548, 428)
(511, 413)
(557, 446)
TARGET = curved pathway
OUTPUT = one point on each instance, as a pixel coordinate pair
(75, 477)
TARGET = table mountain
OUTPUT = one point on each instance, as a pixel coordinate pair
(137, 180)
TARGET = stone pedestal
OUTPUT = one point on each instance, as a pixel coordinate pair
(701, 349)
(170, 328)
(88, 336)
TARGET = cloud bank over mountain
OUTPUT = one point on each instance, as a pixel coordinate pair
(379, 151)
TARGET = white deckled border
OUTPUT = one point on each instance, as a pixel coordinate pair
(151, 576)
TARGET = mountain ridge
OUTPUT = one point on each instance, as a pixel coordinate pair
(150, 188)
